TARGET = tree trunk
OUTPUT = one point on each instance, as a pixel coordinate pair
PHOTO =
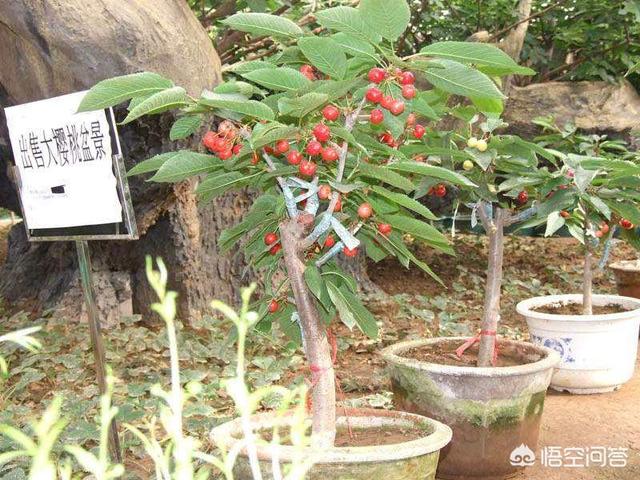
(316, 345)
(50, 51)
(514, 41)
(587, 283)
(493, 288)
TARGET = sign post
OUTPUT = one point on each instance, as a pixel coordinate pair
(72, 186)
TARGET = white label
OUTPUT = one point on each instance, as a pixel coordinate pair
(65, 165)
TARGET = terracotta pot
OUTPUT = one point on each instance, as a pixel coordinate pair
(494, 412)
(627, 275)
(416, 459)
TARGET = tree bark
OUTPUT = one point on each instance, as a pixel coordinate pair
(587, 286)
(315, 342)
(50, 51)
(493, 288)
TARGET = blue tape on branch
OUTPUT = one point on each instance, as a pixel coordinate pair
(313, 202)
(525, 214)
(345, 235)
(323, 226)
(337, 248)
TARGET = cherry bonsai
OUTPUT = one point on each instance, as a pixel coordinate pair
(332, 131)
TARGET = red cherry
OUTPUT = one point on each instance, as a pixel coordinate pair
(275, 249)
(626, 224)
(331, 113)
(268, 150)
(308, 71)
(387, 138)
(273, 306)
(523, 197)
(387, 102)
(604, 226)
(208, 139)
(225, 154)
(307, 168)
(294, 157)
(255, 159)
(314, 148)
(440, 190)
(384, 229)
(599, 234)
(324, 192)
(270, 238)
(350, 252)
(408, 91)
(397, 108)
(282, 146)
(338, 207)
(376, 116)
(374, 95)
(219, 144)
(365, 211)
(411, 120)
(407, 78)
(329, 241)
(419, 131)
(321, 132)
(377, 75)
(565, 214)
(329, 154)
(236, 148)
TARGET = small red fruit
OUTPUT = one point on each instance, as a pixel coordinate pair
(268, 150)
(270, 238)
(407, 78)
(440, 190)
(324, 192)
(387, 102)
(321, 132)
(523, 197)
(408, 91)
(331, 113)
(565, 214)
(384, 229)
(374, 95)
(294, 157)
(329, 154)
(308, 71)
(365, 210)
(236, 148)
(397, 108)
(387, 138)
(411, 120)
(282, 146)
(419, 131)
(350, 252)
(377, 75)
(314, 148)
(329, 241)
(604, 226)
(275, 249)
(273, 306)
(626, 224)
(219, 144)
(338, 207)
(307, 168)
(208, 139)
(599, 233)
(376, 116)
(225, 154)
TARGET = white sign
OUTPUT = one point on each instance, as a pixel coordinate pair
(64, 162)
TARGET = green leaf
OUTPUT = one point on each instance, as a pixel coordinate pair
(351, 310)
(216, 184)
(281, 79)
(405, 201)
(184, 165)
(324, 54)
(250, 66)
(390, 18)
(347, 20)
(386, 175)
(237, 103)
(316, 284)
(159, 102)
(555, 222)
(265, 134)
(151, 164)
(460, 79)
(421, 230)
(600, 205)
(478, 54)
(433, 171)
(113, 91)
(185, 126)
(625, 210)
(301, 106)
(518, 182)
(263, 24)
(353, 45)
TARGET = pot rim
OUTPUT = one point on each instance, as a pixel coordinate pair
(626, 266)
(525, 308)
(225, 435)
(391, 354)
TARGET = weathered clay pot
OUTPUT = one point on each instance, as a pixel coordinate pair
(627, 275)
(415, 459)
(492, 411)
(598, 352)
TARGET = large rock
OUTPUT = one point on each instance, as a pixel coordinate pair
(51, 48)
(592, 106)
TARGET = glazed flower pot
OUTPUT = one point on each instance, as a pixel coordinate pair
(627, 275)
(491, 410)
(415, 459)
(598, 352)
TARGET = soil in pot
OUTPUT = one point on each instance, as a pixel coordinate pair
(577, 309)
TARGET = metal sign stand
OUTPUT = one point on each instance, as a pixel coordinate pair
(84, 265)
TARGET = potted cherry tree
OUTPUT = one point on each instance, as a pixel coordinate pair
(596, 335)
(329, 131)
(491, 392)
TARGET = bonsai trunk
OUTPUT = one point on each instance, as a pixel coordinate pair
(491, 316)
(587, 282)
(316, 345)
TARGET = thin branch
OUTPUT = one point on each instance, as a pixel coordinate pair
(530, 17)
